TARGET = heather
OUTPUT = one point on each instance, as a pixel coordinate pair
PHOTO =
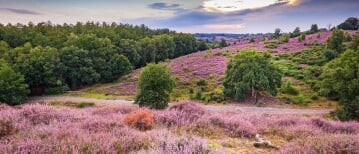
(301, 61)
(182, 128)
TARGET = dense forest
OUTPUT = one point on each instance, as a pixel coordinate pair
(54, 58)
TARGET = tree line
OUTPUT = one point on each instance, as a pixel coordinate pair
(52, 58)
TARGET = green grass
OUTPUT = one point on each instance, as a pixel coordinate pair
(72, 104)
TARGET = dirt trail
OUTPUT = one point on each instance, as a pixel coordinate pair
(267, 110)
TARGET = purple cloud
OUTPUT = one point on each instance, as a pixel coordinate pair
(20, 11)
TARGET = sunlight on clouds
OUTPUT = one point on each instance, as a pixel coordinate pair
(224, 26)
(237, 5)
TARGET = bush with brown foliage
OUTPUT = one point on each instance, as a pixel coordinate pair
(6, 128)
(141, 119)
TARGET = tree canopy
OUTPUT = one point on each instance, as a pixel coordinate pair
(154, 87)
(13, 88)
(251, 72)
(340, 77)
(351, 23)
(55, 58)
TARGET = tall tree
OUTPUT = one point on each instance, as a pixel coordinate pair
(341, 77)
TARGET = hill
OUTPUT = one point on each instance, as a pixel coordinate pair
(209, 67)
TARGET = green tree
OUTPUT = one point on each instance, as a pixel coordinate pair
(296, 32)
(154, 87)
(314, 29)
(120, 65)
(40, 68)
(13, 88)
(251, 71)
(223, 43)
(335, 42)
(77, 67)
(351, 23)
(277, 33)
(4, 47)
(203, 46)
(341, 77)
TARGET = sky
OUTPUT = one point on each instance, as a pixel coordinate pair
(190, 16)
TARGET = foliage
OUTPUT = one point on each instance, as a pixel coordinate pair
(13, 88)
(284, 38)
(289, 89)
(55, 58)
(155, 86)
(223, 43)
(330, 54)
(6, 128)
(314, 29)
(355, 42)
(182, 128)
(276, 33)
(335, 42)
(340, 78)
(301, 37)
(140, 119)
(351, 23)
(203, 46)
(251, 71)
(295, 33)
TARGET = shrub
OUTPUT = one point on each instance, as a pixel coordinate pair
(201, 82)
(85, 104)
(140, 119)
(155, 86)
(289, 89)
(215, 95)
(330, 143)
(180, 114)
(271, 45)
(314, 97)
(284, 38)
(301, 38)
(6, 128)
(300, 100)
(330, 54)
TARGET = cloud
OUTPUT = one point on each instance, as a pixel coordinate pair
(224, 26)
(20, 11)
(165, 6)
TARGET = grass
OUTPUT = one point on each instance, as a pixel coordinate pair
(306, 97)
(72, 104)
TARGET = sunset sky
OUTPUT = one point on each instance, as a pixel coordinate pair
(211, 16)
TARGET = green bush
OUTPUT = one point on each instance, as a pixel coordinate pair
(271, 46)
(155, 86)
(289, 89)
(212, 96)
(314, 97)
(201, 82)
(85, 104)
(300, 100)
(330, 54)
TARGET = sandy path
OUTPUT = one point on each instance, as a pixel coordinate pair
(267, 110)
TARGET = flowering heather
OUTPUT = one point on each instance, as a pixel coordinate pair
(212, 63)
(182, 128)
